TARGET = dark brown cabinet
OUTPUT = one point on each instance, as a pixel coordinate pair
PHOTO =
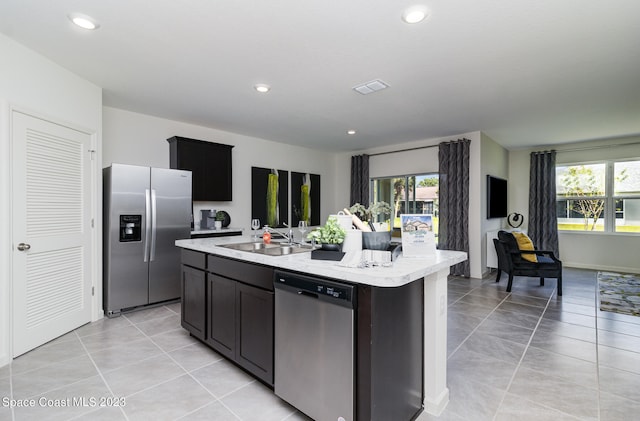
(209, 163)
(193, 307)
(221, 315)
(239, 314)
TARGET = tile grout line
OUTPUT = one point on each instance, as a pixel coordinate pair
(101, 377)
(596, 309)
(513, 376)
(216, 399)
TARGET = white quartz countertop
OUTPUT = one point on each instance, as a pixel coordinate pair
(403, 270)
(226, 230)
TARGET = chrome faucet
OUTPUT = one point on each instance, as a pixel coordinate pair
(288, 237)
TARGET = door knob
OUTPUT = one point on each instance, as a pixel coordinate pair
(24, 247)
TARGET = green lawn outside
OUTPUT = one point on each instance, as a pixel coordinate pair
(599, 228)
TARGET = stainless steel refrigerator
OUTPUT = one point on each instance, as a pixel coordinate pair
(144, 210)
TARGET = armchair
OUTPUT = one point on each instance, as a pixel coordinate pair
(510, 260)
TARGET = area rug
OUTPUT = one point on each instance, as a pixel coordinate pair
(619, 293)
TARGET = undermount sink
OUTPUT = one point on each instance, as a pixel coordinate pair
(269, 249)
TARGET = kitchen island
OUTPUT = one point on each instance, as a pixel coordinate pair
(387, 305)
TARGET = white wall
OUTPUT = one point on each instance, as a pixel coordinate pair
(494, 161)
(610, 251)
(32, 83)
(139, 139)
(422, 161)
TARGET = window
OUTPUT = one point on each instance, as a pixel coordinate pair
(408, 194)
(599, 197)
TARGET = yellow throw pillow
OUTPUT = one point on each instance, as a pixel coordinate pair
(525, 243)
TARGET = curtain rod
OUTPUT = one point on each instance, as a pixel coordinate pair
(403, 150)
(588, 148)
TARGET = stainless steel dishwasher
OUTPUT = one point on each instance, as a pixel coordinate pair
(314, 346)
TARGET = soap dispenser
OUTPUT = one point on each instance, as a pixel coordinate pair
(266, 236)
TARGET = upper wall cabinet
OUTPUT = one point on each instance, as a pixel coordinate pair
(210, 164)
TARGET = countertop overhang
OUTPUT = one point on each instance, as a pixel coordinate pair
(403, 271)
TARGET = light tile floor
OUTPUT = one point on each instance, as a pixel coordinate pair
(528, 355)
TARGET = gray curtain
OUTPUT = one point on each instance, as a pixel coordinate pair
(360, 180)
(453, 194)
(543, 222)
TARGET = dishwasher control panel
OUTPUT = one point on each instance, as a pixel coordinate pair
(339, 293)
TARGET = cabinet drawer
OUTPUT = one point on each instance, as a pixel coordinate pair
(194, 259)
(248, 273)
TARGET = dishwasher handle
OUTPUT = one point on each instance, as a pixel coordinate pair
(308, 294)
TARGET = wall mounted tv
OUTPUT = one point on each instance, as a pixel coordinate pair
(496, 197)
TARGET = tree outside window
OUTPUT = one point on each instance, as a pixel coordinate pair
(599, 197)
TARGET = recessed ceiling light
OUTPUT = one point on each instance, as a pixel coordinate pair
(415, 14)
(351, 132)
(262, 88)
(84, 21)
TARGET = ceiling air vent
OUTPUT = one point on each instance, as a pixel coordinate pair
(371, 87)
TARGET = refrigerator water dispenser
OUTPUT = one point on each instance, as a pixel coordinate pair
(130, 228)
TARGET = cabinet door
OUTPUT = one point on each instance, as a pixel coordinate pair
(254, 335)
(193, 301)
(221, 315)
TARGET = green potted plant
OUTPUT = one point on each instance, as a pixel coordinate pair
(371, 213)
(221, 216)
(331, 235)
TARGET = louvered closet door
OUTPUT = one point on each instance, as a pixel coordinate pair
(51, 235)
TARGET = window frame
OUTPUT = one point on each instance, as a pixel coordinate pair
(610, 198)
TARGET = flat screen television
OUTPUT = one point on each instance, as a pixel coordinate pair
(496, 197)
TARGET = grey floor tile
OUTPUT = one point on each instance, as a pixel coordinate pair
(133, 378)
(572, 318)
(468, 365)
(107, 413)
(462, 321)
(514, 318)
(5, 387)
(525, 299)
(299, 416)
(507, 331)
(476, 310)
(167, 401)
(619, 340)
(553, 392)
(6, 413)
(619, 382)
(549, 327)
(570, 369)
(5, 371)
(255, 402)
(194, 356)
(212, 411)
(145, 315)
(618, 326)
(619, 317)
(222, 378)
(481, 300)
(175, 307)
(67, 402)
(472, 400)
(619, 358)
(517, 408)
(52, 376)
(125, 354)
(51, 352)
(495, 347)
(519, 308)
(616, 408)
(111, 338)
(160, 325)
(572, 308)
(173, 339)
(566, 346)
(102, 325)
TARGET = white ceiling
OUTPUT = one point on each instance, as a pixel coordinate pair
(524, 72)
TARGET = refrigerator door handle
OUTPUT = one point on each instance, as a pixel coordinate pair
(147, 224)
(152, 254)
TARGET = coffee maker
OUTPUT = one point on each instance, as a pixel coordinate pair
(207, 218)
